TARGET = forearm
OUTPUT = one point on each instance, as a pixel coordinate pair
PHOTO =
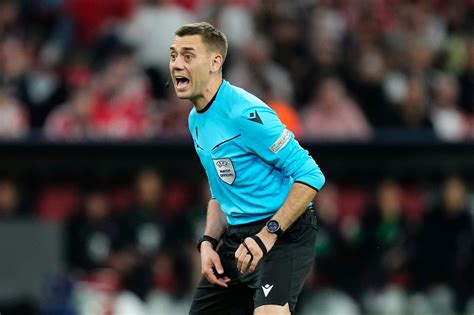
(295, 204)
(216, 221)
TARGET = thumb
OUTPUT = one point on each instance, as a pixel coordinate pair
(217, 264)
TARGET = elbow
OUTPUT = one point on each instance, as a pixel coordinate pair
(322, 179)
(319, 179)
(314, 180)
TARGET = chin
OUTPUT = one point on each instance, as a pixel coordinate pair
(183, 95)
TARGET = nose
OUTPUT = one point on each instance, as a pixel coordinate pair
(177, 63)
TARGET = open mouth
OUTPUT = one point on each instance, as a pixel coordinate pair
(182, 82)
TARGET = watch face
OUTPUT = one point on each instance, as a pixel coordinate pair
(273, 226)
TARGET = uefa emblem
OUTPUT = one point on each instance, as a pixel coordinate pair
(225, 170)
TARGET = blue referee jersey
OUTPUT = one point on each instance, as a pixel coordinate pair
(250, 158)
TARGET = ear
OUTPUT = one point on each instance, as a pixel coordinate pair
(216, 62)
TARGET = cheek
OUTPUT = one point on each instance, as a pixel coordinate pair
(197, 75)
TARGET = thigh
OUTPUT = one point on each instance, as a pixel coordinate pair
(284, 270)
(210, 299)
(237, 299)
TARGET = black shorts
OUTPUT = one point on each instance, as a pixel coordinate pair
(278, 278)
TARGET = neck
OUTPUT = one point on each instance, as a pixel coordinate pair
(208, 93)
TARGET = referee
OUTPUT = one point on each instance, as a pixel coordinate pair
(260, 227)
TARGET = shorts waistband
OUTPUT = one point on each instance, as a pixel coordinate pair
(264, 220)
(253, 223)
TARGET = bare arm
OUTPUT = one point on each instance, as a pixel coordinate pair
(295, 204)
(216, 222)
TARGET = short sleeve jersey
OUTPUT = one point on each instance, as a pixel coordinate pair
(250, 158)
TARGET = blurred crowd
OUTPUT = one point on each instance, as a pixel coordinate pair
(389, 247)
(333, 70)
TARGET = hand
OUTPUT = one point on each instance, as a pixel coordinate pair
(211, 261)
(246, 259)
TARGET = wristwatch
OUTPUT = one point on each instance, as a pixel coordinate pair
(209, 239)
(273, 226)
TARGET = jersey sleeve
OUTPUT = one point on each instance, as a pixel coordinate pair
(265, 135)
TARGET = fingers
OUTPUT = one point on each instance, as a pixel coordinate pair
(211, 275)
(240, 255)
(239, 251)
(216, 261)
(253, 264)
(245, 263)
(212, 267)
(248, 255)
(212, 278)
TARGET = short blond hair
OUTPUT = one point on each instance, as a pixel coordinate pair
(213, 39)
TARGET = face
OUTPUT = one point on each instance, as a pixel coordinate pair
(191, 66)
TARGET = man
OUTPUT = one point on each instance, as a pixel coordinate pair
(262, 184)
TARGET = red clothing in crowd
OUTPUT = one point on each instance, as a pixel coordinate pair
(90, 16)
(124, 116)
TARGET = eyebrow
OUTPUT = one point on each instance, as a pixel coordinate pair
(184, 48)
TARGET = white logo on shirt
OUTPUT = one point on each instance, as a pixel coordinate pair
(266, 289)
(225, 170)
(281, 142)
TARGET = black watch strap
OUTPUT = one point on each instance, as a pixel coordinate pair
(279, 233)
(209, 239)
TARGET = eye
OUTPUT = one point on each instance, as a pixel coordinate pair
(173, 56)
(188, 57)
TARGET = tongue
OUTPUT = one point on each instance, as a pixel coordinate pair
(182, 83)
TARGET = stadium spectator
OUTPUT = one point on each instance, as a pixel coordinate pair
(144, 232)
(122, 100)
(448, 121)
(412, 112)
(143, 226)
(37, 88)
(365, 83)
(14, 122)
(386, 249)
(417, 22)
(172, 116)
(324, 60)
(234, 18)
(10, 199)
(72, 120)
(335, 248)
(466, 79)
(332, 115)
(91, 233)
(375, 48)
(287, 33)
(92, 18)
(151, 25)
(441, 257)
(287, 114)
(256, 72)
(9, 12)
(171, 294)
(52, 29)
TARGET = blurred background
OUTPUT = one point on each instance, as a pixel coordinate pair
(102, 197)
